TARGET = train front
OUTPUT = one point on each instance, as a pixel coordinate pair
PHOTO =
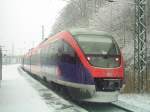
(104, 61)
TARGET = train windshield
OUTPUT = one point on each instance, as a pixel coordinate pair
(101, 51)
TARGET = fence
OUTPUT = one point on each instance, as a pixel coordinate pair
(130, 85)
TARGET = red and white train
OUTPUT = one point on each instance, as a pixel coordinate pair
(88, 63)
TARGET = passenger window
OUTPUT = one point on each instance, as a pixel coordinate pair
(68, 50)
(60, 47)
(68, 54)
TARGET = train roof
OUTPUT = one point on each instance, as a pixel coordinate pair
(81, 31)
(73, 32)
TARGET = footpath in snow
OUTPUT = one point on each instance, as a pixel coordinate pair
(134, 102)
(18, 95)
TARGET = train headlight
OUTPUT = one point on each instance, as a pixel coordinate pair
(88, 58)
(117, 59)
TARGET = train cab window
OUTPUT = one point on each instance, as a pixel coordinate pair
(100, 50)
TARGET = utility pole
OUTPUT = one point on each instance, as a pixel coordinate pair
(140, 47)
(43, 32)
(111, 13)
(124, 32)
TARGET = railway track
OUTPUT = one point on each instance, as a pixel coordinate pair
(99, 107)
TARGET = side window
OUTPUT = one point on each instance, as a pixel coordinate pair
(53, 52)
(68, 54)
(60, 47)
(53, 47)
(43, 54)
(68, 50)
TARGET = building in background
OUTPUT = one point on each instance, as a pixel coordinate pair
(11, 59)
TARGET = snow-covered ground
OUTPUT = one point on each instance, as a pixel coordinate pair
(18, 95)
(134, 102)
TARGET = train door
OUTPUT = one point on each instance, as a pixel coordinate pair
(67, 64)
(43, 55)
(53, 59)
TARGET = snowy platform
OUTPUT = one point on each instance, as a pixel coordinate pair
(134, 102)
(17, 94)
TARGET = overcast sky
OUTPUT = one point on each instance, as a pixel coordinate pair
(21, 21)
